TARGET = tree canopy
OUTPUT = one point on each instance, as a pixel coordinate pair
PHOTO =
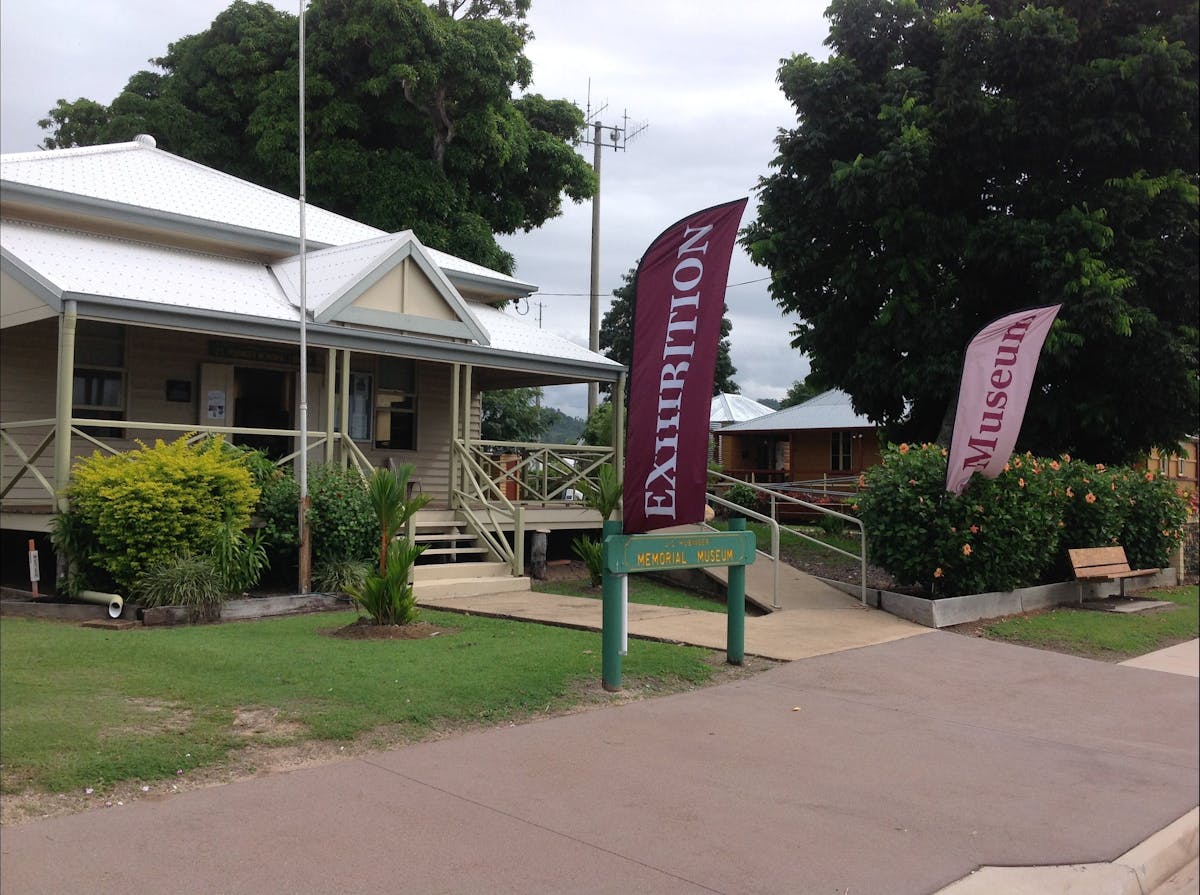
(410, 117)
(954, 162)
(616, 335)
(515, 414)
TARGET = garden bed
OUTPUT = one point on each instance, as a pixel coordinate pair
(946, 611)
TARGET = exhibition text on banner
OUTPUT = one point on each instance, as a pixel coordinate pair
(680, 301)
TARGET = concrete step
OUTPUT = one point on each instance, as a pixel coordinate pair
(425, 518)
(468, 587)
(441, 571)
(454, 551)
(456, 535)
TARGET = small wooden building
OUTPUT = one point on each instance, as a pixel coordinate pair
(821, 439)
(145, 296)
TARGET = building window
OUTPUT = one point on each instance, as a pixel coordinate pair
(98, 386)
(396, 405)
(840, 451)
(1181, 465)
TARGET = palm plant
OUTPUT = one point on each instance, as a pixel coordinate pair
(386, 596)
(605, 494)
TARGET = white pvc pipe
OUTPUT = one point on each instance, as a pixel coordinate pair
(624, 614)
(114, 602)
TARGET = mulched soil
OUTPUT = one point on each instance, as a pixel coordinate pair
(365, 629)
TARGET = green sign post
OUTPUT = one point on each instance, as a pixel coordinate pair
(624, 554)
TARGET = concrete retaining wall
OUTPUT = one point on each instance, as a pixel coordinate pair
(973, 607)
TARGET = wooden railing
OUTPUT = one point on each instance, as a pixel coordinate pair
(28, 461)
(525, 472)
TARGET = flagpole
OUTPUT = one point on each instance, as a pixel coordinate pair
(302, 460)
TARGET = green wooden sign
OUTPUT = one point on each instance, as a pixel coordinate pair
(656, 553)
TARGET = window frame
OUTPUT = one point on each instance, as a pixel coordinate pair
(88, 371)
(841, 451)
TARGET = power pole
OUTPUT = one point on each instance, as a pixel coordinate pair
(615, 136)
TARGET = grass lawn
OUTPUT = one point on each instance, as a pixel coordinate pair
(1107, 635)
(641, 590)
(799, 552)
(96, 708)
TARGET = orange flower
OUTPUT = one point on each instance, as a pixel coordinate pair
(1091, 498)
(945, 453)
(938, 573)
(966, 549)
(1149, 477)
(974, 529)
(1099, 467)
(1055, 465)
(1016, 462)
(912, 481)
(862, 481)
(1006, 467)
(1066, 458)
(1021, 482)
(1070, 493)
(903, 449)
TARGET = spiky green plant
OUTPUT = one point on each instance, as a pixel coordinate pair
(605, 494)
(386, 491)
(592, 554)
(386, 596)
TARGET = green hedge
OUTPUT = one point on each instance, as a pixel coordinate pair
(344, 527)
(136, 510)
(1013, 530)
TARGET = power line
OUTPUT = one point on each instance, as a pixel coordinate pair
(583, 294)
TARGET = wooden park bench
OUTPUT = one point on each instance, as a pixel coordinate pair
(1103, 564)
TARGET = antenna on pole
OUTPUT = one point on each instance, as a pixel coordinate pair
(598, 135)
(302, 459)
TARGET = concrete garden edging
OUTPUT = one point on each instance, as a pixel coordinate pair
(972, 607)
(24, 605)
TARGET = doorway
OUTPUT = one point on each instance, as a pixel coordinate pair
(264, 401)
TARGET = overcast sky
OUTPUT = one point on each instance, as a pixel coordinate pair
(699, 74)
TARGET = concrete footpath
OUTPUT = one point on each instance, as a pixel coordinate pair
(902, 766)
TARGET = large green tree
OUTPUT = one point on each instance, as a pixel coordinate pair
(515, 414)
(953, 162)
(616, 335)
(410, 116)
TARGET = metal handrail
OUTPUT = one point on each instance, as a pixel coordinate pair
(787, 498)
(774, 554)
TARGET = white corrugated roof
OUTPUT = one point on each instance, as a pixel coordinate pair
(329, 271)
(104, 266)
(728, 408)
(138, 176)
(452, 264)
(88, 264)
(828, 410)
(510, 333)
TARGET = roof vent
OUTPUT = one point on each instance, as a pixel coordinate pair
(145, 140)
